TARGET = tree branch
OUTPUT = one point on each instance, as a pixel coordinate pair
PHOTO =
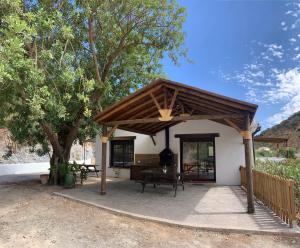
(52, 136)
(73, 132)
(93, 49)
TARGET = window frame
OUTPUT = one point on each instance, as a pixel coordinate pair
(123, 143)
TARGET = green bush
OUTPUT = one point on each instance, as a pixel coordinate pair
(265, 153)
(287, 152)
(289, 168)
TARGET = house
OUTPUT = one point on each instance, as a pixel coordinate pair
(207, 134)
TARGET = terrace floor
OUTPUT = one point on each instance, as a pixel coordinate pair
(201, 206)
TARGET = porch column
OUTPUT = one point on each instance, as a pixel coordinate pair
(104, 140)
(249, 159)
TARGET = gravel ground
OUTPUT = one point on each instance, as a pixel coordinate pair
(31, 216)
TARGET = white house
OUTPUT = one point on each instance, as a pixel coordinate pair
(228, 151)
(205, 135)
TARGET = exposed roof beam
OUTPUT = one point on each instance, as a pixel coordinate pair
(125, 102)
(232, 124)
(210, 96)
(155, 101)
(174, 119)
(135, 111)
(173, 99)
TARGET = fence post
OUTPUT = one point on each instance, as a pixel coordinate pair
(292, 210)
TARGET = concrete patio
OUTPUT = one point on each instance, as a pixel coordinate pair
(199, 206)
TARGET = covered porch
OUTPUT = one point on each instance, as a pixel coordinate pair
(164, 104)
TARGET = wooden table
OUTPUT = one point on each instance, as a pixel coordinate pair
(159, 177)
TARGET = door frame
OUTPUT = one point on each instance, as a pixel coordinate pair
(198, 138)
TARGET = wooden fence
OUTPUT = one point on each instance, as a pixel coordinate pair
(275, 192)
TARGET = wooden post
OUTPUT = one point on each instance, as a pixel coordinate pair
(249, 164)
(103, 167)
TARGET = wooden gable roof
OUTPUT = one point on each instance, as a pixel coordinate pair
(139, 112)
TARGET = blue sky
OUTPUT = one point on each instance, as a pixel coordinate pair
(248, 50)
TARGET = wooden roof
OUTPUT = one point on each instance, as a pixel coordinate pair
(191, 102)
(270, 139)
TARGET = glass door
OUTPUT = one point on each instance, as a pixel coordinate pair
(198, 159)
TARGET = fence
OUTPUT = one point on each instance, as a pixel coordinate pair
(275, 192)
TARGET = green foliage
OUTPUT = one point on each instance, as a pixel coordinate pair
(289, 169)
(265, 153)
(287, 152)
(49, 56)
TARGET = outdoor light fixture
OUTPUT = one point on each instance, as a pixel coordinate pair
(165, 114)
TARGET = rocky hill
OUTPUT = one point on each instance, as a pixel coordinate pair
(11, 152)
(289, 128)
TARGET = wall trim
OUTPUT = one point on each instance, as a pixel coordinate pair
(197, 135)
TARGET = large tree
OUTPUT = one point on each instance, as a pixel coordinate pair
(62, 61)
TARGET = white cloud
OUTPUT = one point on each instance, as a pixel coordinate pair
(287, 90)
(295, 13)
(271, 86)
(275, 50)
(273, 75)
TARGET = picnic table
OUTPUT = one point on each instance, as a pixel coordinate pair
(161, 177)
(91, 168)
(82, 170)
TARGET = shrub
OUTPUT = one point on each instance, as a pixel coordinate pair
(289, 168)
(265, 153)
(287, 152)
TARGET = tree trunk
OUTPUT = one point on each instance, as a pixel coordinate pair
(61, 146)
(53, 176)
(55, 161)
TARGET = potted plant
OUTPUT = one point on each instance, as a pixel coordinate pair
(66, 175)
(70, 177)
(116, 172)
(62, 172)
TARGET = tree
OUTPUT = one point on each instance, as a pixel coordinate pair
(63, 61)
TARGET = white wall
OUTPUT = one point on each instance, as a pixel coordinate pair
(229, 148)
(24, 168)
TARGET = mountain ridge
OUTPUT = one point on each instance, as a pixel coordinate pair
(289, 128)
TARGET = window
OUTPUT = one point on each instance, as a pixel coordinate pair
(211, 150)
(122, 153)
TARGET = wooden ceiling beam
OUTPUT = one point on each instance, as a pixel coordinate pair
(136, 110)
(155, 101)
(173, 99)
(184, 97)
(233, 125)
(174, 119)
(159, 86)
(208, 109)
(127, 101)
(205, 109)
(165, 97)
(150, 126)
(210, 96)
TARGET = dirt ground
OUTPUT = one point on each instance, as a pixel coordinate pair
(31, 216)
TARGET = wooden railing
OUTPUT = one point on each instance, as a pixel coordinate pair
(275, 192)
